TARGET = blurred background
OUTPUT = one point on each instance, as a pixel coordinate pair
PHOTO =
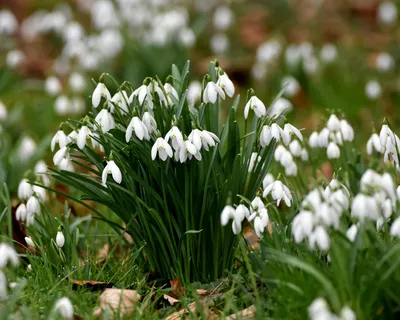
(337, 55)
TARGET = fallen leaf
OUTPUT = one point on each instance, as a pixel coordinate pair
(176, 288)
(118, 300)
(170, 299)
(249, 313)
(203, 292)
(92, 285)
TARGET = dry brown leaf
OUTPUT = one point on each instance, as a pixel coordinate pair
(203, 292)
(118, 300)
(176, 288)
(192, 309)
(248, 313)
(103, 253)
(170, 299)
(92, 285)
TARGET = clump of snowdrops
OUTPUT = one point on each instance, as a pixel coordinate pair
(166, 167)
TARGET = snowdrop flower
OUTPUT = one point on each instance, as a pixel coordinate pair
(291, 170)
(77, 82)
(211, 93)
(291, 130)
(40, 193)
(387, 12)
(226, 84)
(398, 193)
(163, 149)
(292, 55)
(84, 133)
(374, 143)
(64, 307)
(280, 106)
(384, 62)
(20, 213)
(260, 222)
(187, 150)
(223, 18)
(313, 141)
(101, 91)
(347, 314)
(33, 206)
(310, 65)
(171, 92)
(333, 151)
(268, 179)
(320, 238)
(286, 159)
(111, 168)
(319, 309)
(242, 211)
(373, 89)
(302, 225)
(385, 135)
(24, 190)
(3, 286)
(275, 132)
(364, 207)
(254, 161)
(237, 216)
(269, 51)
(346, 130)
(8, 255)
(60, 239)
(61, 105)
(395, 228)
(278, 192)
(256, 105)
(203, 139)
(121, 100)
(333, 123)
(176, 137)
(3, 111)
(66, 164)
(60, 154)
(15, 58)
(61, 138)
(136, 125)
(52, 86)
(8, 22)
(194, 92)
(219, 43)
(141, 93)
(29, 242)
(187, 37)
(351, 233)
(304, 154)
(149, 122)
(292, 86)
(105, 120)
(328, 53)
(26, 148)
(323, 138)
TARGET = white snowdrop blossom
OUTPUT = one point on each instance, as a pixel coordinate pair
(59, 138)
(395, 228)
(291, 85)
(280, 106)
(105, 120)
(373, 89)
(313, 141)
(33, 206)
(101, 91)
(194, 92)
(40, 193)
(60, 239)
(260, 216)
(8, 255)
(176, 137)
(347, 314)
(364, 207)
(84, 133)
(8, 23)
(333, 123)
(111, 168)
(77, 82)
(21, 212)
(52, 86)
(291, 130)
(319, 310)
(136, 125)
(65, 308)
(279, 192)
(295, 148)
(60, 155)
(351, 233)
(229, 213)
(328, 53)
(319, 238)
(149, 122)
(226, 84)
(346, 130)
(268, 179)
(211, 92)
(121, 100)
(374, 144)
(387, 12)
(203, 139)
(333, 151)
(30, 242)
(384, 62)
(254, 161)
(163, 149)
(219, 43)
(188, 150)
(223, 18)
(171, 92)
(256, 105)
(3, 111)
(302, 225)
(24, 190)
(274, 132)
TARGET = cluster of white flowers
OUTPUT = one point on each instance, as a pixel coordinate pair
(31, 196)
(8, 255)
(332, 136)
(319, 309)
(321, 209)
